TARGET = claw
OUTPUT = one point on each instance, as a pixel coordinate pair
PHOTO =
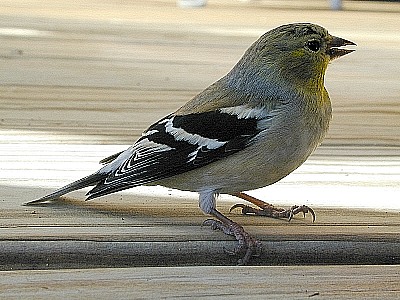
(237, 206)
(267, 211)
(245, 209)
(290, 215)
(304, 209)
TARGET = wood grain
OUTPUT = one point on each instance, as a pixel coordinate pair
(80, 80)
(327, 282)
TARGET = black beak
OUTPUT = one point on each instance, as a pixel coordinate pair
(334, 50)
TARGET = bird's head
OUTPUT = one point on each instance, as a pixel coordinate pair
(296, 53)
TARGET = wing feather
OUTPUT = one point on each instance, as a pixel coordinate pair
(178, 144)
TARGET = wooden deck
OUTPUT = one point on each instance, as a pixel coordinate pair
(80, 80)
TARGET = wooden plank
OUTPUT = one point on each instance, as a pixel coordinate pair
(140, 230)
(321, 282)
(97, 66)
(81, 80)
(93, 254)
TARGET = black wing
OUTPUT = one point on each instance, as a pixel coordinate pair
(178, 144)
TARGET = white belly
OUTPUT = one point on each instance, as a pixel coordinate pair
(265, 162)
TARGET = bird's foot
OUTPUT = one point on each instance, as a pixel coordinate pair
(273, 212)
(246, 243)
(268, 210)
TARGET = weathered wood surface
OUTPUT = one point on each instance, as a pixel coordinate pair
(102, 70)
(289, 282)
(80, 80)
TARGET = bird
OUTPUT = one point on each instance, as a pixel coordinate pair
(247, 130)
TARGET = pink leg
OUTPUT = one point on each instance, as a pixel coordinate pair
(268, 210)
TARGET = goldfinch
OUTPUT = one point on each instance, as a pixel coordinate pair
(249, 129)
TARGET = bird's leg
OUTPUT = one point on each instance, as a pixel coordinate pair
(268, 210)
(246, 243)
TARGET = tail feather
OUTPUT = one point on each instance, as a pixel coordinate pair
(76, 185)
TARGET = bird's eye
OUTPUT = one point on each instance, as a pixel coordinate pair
(313, 45)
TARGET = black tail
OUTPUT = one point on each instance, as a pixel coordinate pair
(76, 185)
